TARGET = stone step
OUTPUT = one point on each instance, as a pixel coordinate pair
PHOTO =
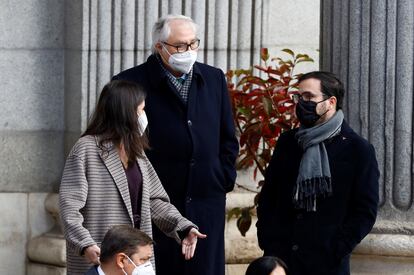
(47, 250)
(236, 269)
(44, 269)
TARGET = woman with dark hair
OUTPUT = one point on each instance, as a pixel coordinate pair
(108, 180)
(267, 265)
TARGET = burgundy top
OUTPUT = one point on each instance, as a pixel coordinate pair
(134, 177)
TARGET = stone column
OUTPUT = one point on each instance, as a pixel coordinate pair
(105, 37)
(370, 45)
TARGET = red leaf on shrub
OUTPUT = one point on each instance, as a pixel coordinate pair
(264, 54)
(255, 173)
(273, 71)
(262, 106)
(261, 68)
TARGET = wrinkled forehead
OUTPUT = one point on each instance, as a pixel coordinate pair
(181, 31)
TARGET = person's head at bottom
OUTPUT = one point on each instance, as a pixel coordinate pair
(267, 265)
(126, 251)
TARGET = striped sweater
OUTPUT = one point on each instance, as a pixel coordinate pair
(94, 196)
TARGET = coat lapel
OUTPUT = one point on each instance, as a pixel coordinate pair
(159, 80)
(113, 163)
(195, 89)
(145, 200)
(339, 147)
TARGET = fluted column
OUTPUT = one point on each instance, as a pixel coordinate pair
(104, 37)
(370, 45)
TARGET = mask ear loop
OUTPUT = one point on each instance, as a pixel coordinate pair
(321, 102)
(162, 57)
(131, 262)
(165, 48)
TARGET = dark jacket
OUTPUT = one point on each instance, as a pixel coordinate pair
(92, 271)
(319, 242)
(193, 150)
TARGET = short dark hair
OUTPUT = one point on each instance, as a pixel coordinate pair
(122, 238)
(265, 265)
(330, 85)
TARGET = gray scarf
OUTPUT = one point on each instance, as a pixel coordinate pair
(314, 178)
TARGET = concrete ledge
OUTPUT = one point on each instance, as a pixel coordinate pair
(239, 249)
(381, 265)
(42, 269)
(239, 200)
(236, 269)
(52, 204)
(387, 245)
(48, 250)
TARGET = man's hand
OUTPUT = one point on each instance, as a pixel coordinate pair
(188, 245)
(92, 254)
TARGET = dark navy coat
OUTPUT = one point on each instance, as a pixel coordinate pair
(318, 243)
(92, 271)
(193, 150)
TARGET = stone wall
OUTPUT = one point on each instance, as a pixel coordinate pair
(31, 98)
(55, 56)
(31, 121)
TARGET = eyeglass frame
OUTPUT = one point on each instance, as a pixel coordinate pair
(197, 40)
(297, 97)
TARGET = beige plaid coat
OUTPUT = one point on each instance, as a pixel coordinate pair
(94, 196)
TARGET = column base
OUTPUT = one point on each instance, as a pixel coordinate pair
(381, 265)
(42, 269)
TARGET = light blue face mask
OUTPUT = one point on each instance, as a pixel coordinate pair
(143, 269)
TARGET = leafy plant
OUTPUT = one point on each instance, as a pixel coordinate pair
(262, 109)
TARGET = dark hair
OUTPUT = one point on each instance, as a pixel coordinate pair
(122, 238)
(115, 117)
(330, 85)
(265, 265)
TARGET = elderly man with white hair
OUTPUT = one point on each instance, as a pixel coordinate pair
(192, 140)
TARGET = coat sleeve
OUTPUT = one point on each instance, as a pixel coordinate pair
(165, 216)
(267, 203)
(229, 146)
(72, 198)
(364, 204)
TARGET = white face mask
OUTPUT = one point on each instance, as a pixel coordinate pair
(142, 122)
(143, 269)
(182, 62)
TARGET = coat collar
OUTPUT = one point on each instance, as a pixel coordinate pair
(142, 163)
(340, 142)
(110, 157)
(156, 73)
(346, 130)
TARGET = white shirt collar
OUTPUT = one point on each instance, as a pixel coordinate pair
(100, 271)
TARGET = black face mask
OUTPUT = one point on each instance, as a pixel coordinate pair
(306, 112)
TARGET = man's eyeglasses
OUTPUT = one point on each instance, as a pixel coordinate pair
(306, 97)
(184, 47)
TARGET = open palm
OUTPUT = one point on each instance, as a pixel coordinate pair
(189, 243)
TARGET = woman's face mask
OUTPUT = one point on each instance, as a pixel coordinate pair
(143, 269)
(142, 122)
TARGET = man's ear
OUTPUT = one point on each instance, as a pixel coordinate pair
(120, 258)
(332, 101)
(158, 46)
